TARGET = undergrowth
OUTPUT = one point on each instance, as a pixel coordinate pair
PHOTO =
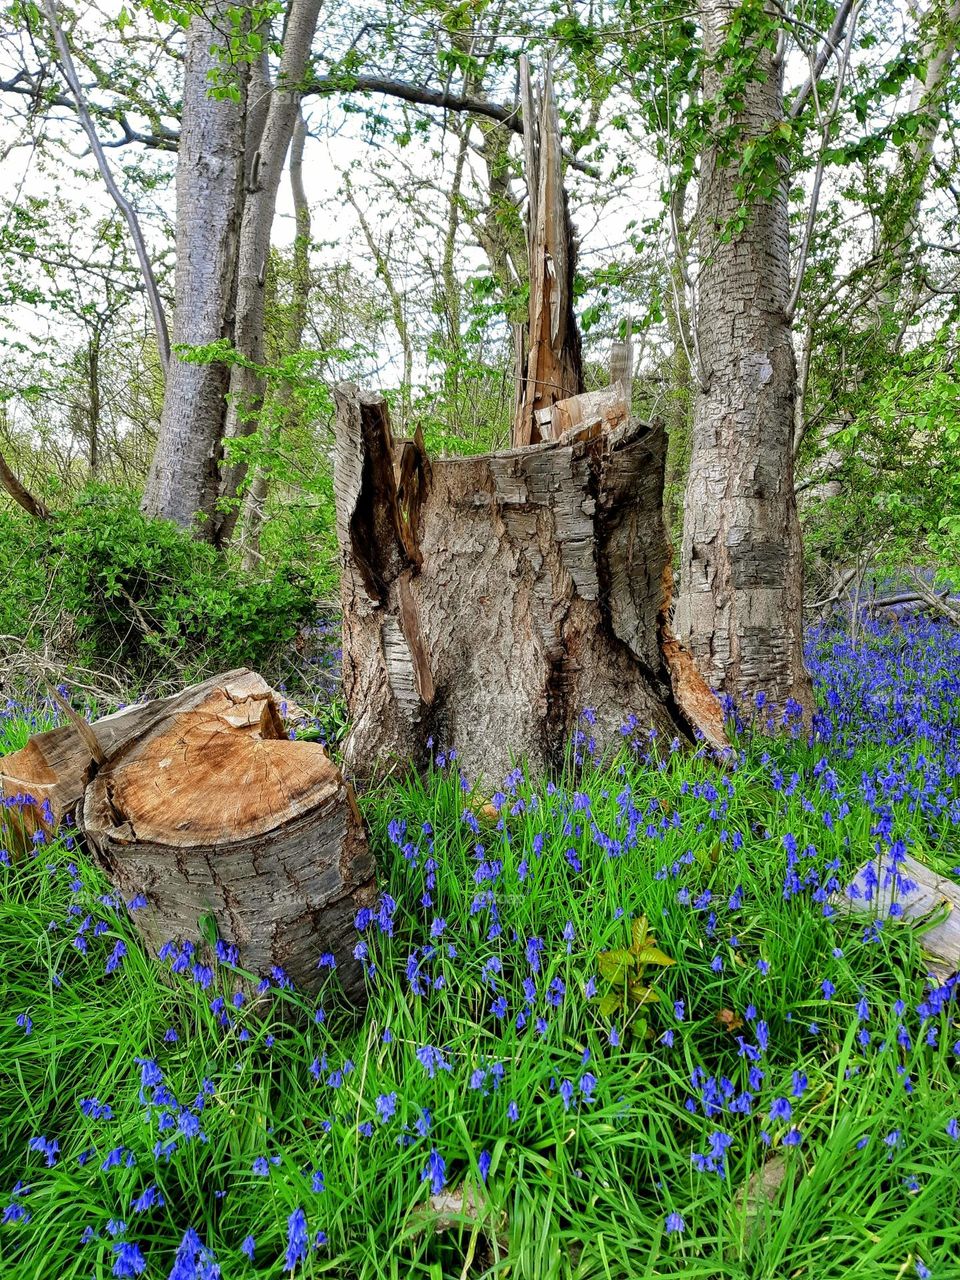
(492, 1112)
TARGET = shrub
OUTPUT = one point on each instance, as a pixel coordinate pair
(102, 585)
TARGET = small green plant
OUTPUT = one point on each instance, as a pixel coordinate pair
(624, 972)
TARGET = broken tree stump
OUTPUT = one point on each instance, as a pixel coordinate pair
(204, 805)
(489, 601)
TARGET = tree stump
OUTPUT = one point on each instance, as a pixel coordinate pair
(204, 805)
(489, 601)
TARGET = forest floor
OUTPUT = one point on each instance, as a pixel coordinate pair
(513, 1102)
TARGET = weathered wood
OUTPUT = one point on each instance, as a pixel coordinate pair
(878, 885)
(55, 767)
(33, 505)
(607, 408)
(536, 591)
(621, 363)
(204, 805)
(552, 369)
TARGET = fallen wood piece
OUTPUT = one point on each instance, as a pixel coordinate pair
(204, 805)
(756, 1200)
(916, 893)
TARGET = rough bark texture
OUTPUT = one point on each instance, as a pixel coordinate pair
(741, 587)
(552, 369)
(489, 601)
(203, 804)
(263, 183)
(184, 475)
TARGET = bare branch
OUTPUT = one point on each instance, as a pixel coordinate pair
(163, 138)
(821, 161)
(510, 117)
(827, 49)
(20, 494)
(122, 203)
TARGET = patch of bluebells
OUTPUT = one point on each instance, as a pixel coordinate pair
(533, 990)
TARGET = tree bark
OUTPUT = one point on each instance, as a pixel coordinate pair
(246, 382)
(21, 495)
(202, 804)
(741, 588)
(489, 601)
(183, 481)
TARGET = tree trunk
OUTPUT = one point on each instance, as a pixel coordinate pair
(254, 503)
(741, 589)
(488, 602)
(246, 383)
(202, 803)
(183, 482)
(93, 404)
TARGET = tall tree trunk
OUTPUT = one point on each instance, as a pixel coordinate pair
(741, 592)
(256, 496)
(183, 481)
(246, 384)
(939, 29)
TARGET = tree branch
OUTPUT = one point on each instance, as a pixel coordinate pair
(821, 162)
(511, 117)
(27, 86)
(122, 203)
(827, 49)
(21, 495)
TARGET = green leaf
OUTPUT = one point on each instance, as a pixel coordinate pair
(616, 966)
(653, 955)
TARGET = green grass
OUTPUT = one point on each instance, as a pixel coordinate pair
(572, 1191)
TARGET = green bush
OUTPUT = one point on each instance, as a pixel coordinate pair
(102, 585)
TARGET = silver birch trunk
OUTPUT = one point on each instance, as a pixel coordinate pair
(741, 594)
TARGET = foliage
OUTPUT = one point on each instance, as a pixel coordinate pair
(623, 972)
(102, 584)
(145, 1103)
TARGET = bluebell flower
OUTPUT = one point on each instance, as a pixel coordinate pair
(674, 1224)
(297, 1240)
(435, 1171)
(386, 1105)
(128, 1260)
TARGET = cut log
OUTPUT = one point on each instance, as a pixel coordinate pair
(205, 806)
(919, 895)
(55, 767)
(491, 603)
